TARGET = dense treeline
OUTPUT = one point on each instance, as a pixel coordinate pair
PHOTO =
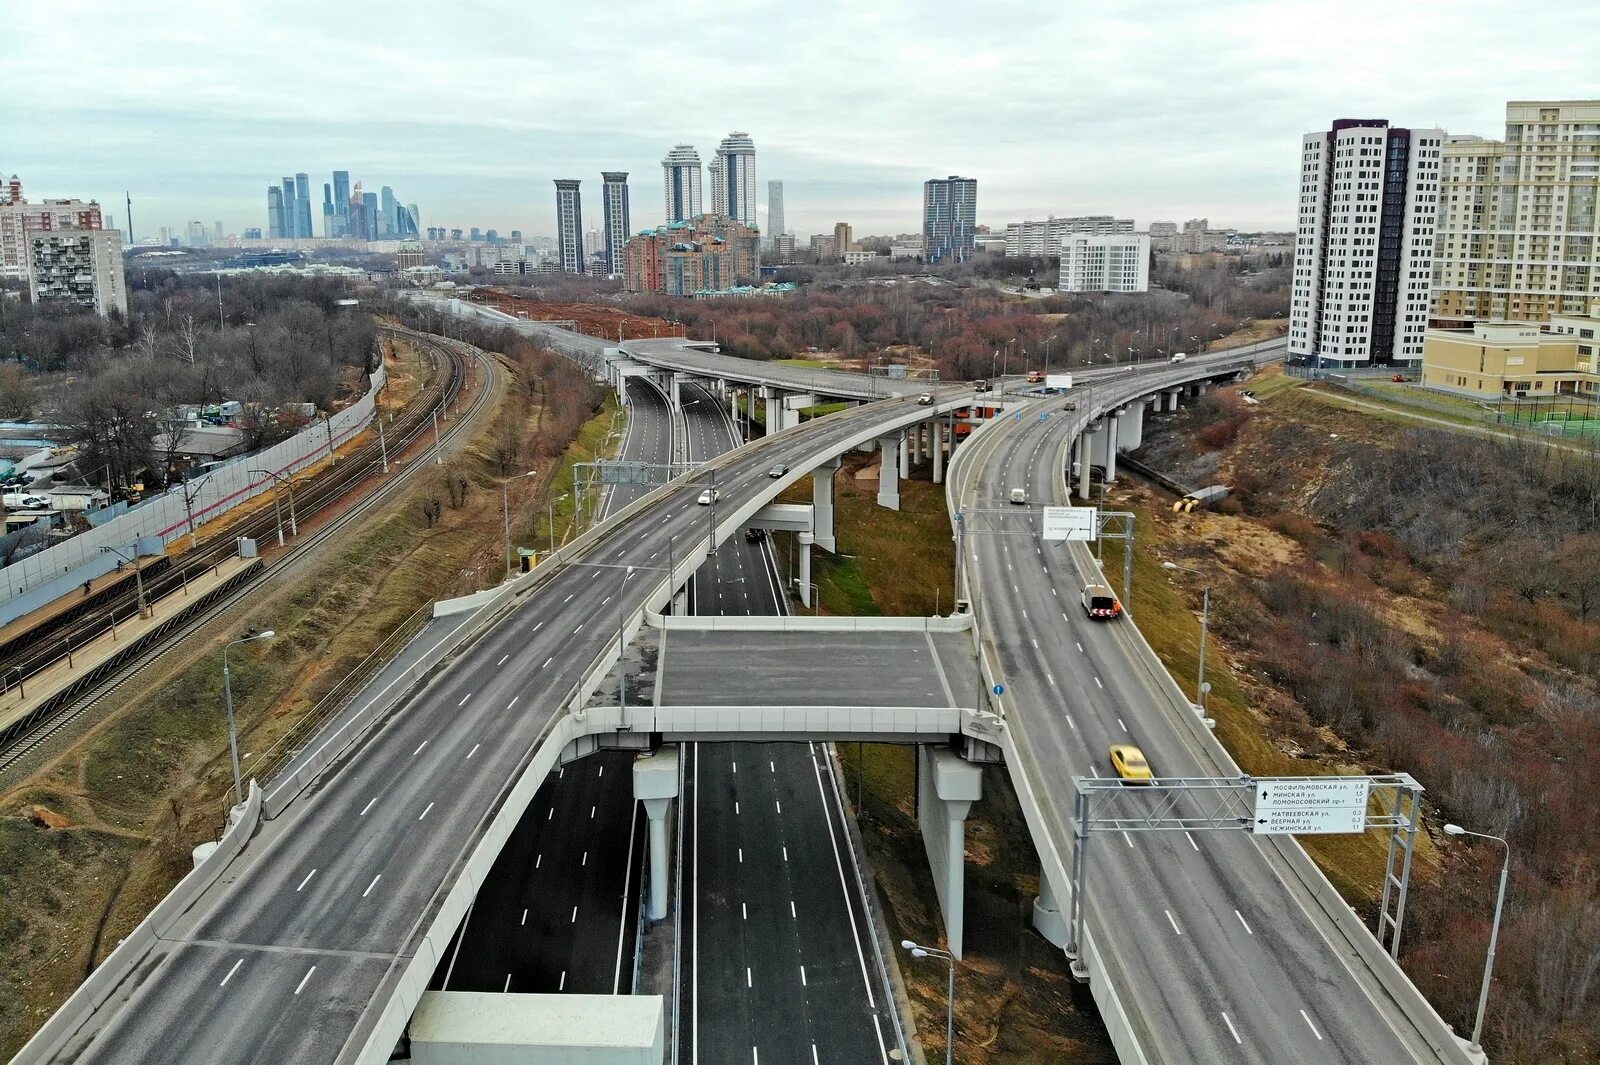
(263, 342)
(975, 331)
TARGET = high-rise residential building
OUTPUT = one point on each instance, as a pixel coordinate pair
(217, 232)
(1105, 262)
(707, 253)
(680, 175)
(569, 225)
(843, 240)
(1519, 233)
(1044, 238)
(733, 179)
(516, 234)
(783, 247)
(82, 266)
(389, 222)
(774, 210)
(196, 235)
(949, 218)
(18, 217)
(1363, 250)
(614, 208)
(341, 202)
(1163, 236)
(274, 212)
(252, 233)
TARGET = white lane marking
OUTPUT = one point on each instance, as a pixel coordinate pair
(1051, 678)
(1071, 724)
(744, 912)
(424, 812)
(1173, 922)
(507, 988)
(1127, 839)
(585, 861)
(814, 1059)
(1034, 642)
(550, 813)
(803, 978)
(1232, 1030)
(307, 880)
(513, 701)
(786, 858)
(568, 599)
(735, 767)
(418, 751)
(574, 916)
(536, 628)
(1097, 683)
(524, 917)
(562, 986)
(367, 807)
(606, 600)
(301, 985)
(545, 666)
(1190, 838)
(779, 805)
(736, 808)
(578, 629)
(539, 858)
(591, 813)
(472, 752)
(749, 980)
(1124, 727)
(796, 916)
(741, 855)
(463, 701)
(1093, 770)
(772, 766)
(231, 971)
(502, 660)
(1310, 1025)
(602, 772)
(1242, 921)
(1080, 646)
(372, 885)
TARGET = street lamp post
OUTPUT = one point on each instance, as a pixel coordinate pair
(552, 509)
(1494, 931)
(919, 951)
(138, 579)
(1200, 686)
(622, 647)
(505, 514)
(227, 691)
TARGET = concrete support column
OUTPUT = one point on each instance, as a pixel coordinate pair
(1131, 433)
(905, 457)
(733, 403)
(1113, 431)
(947, 786)
(1048, 920)
(806, 540)
(822, 502)
(892, 452)
(1085, 448)
(655, 784)
(674, 395)
(937, 425)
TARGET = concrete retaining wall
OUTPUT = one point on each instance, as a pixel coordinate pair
(103, 982)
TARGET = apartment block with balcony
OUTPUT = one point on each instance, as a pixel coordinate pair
(1519, 233)
(708, 252)
(81, 266)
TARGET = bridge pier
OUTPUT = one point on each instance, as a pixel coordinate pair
(675, 398)
(806, 540)
(1172, 398)
(1131, 433)
(1085, 447)
(822, 502)
(655, 784)
(1048, 920)
(947, 786)
(938, 426)
(892, 450)
(1112, 431)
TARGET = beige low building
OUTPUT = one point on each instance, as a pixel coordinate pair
(1494, 360)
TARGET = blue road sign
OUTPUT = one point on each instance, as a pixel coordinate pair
(999, 689)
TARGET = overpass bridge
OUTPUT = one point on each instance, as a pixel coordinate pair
(314, 943)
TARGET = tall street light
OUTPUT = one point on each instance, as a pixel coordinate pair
(138, 580)
(919, 951)
(552, 509)
(1494, 932)
(505, 514)
(227, 691)
(1200, 685)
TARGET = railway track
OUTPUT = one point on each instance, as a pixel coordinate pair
(26, 736)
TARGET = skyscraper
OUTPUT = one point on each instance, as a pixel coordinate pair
(949, 217)
(369, 214)
(330, 221)
(733, 176)
(390, 223)
(1519, 232)
(274, 212)
(680, 173)
(302, 206)
(410, 221)
(341, 202)
(614, 205)
(1363, 249)
(290, 212)
(569, 225)
(774, 209)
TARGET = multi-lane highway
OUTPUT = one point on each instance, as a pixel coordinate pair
(778, 963)
(1219, 962)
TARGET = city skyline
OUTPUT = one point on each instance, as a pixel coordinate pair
(1219, 90)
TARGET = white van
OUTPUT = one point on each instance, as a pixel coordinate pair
(26, 501)
(1177, 357)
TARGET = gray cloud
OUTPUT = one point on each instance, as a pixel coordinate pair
(1155, 109)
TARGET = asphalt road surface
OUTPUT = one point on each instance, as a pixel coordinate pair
(778, 964)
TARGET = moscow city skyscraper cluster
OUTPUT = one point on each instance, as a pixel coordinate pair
(346, 212)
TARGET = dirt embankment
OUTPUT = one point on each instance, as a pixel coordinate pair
(593, 319)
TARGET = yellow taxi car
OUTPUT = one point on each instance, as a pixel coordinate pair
(1129, 763)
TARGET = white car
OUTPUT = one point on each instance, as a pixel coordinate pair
(708, 497)
(926, 399)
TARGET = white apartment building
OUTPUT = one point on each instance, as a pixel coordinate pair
(1045, 237)
(1519, 233)
(1363, 253)
(18, 217)
(1105, 262)
(82, 266)
(733, 179)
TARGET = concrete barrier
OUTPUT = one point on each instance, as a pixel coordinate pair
(120, 965)
(806, 623)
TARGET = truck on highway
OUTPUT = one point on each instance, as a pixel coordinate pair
(1101, 603)
(1035, 377)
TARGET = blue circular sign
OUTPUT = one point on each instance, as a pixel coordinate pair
(999, 689)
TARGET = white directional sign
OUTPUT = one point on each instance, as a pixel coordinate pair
(1320, 806)
(1071, 523)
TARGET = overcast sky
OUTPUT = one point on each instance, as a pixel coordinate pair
(1163, 109)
